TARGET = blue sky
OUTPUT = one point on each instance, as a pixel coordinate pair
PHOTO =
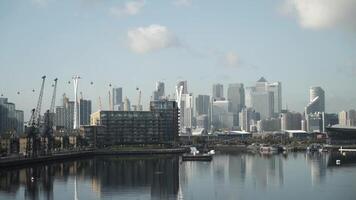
(301, 43)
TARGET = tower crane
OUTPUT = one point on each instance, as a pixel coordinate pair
(35, 118)
(53, 101)
(49, 122)
(34, 124)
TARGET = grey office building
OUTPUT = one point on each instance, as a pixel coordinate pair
(85, 111)
(10, 118)
(117, 98)
(218, 92)
(202, 104)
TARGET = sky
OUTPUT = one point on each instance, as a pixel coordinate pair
(135, 43)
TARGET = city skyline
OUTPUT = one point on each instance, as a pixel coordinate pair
(242, 42)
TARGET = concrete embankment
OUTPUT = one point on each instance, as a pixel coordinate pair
(19, 161)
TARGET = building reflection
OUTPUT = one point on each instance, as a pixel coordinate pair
(157, 176)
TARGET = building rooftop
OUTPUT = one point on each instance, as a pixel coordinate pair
(262, 79)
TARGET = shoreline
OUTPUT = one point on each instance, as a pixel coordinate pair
(15, 162)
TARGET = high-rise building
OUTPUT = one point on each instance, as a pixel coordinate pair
(265, 98)
(127, 104)
(184, 86)
(276, 88)
(117, 98)
(247, 117)
(158, 93)
(85, 111)
(316, 100)
(347, 118)
(236, 97)
(343, 118)
(315, 122)
(263, 103)
(10, 118)
(221, 117)
(202, 104)
(64, 116)
(188, 111)
(218, 92)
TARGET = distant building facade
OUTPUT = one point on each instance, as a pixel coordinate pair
(117, 98)
(84, 111)
(159, 125)
(11, 120)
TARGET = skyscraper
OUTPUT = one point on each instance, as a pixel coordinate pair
(276, 88)
(291, 121)
(10, 118)
(184, 85)
(218, 91)
(127, 104)
(236, 98)
(202, 104)
(117, 98)
(265, 98)
(158, 93)
(316, 100)
(85, 111)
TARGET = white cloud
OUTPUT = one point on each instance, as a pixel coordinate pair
(230, 59)
(151, 38)
(318, 14)
(128, 9)
(183, 2)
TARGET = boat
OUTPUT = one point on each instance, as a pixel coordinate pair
(194, 155)
(315, 147)
(268, 149)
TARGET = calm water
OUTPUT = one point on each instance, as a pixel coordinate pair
(228, 176)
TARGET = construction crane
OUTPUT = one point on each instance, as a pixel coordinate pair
(36, 117)
(49, 122)
(53, 101)
(32, 130)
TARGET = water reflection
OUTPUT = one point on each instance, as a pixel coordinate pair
(153, 178)
(228, 176)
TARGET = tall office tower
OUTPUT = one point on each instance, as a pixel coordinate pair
(218, 92)
(117, 98)
(19, 116)
(184, 85)
(158, 93)
(343, 118)
(263, 102)
(291, 121)
(160, 89)
(347, 118)
(236, 97)
(127, 105)
(76, 106)
(10, 118)
(259, 98)
(352, 118)
(316, 100)
(276, 88)
(248, 96)
(202, 105)
(247, 117)
(85, 111)
(221, 117)
(188, 111)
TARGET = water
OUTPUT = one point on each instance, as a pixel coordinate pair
(228, 176)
